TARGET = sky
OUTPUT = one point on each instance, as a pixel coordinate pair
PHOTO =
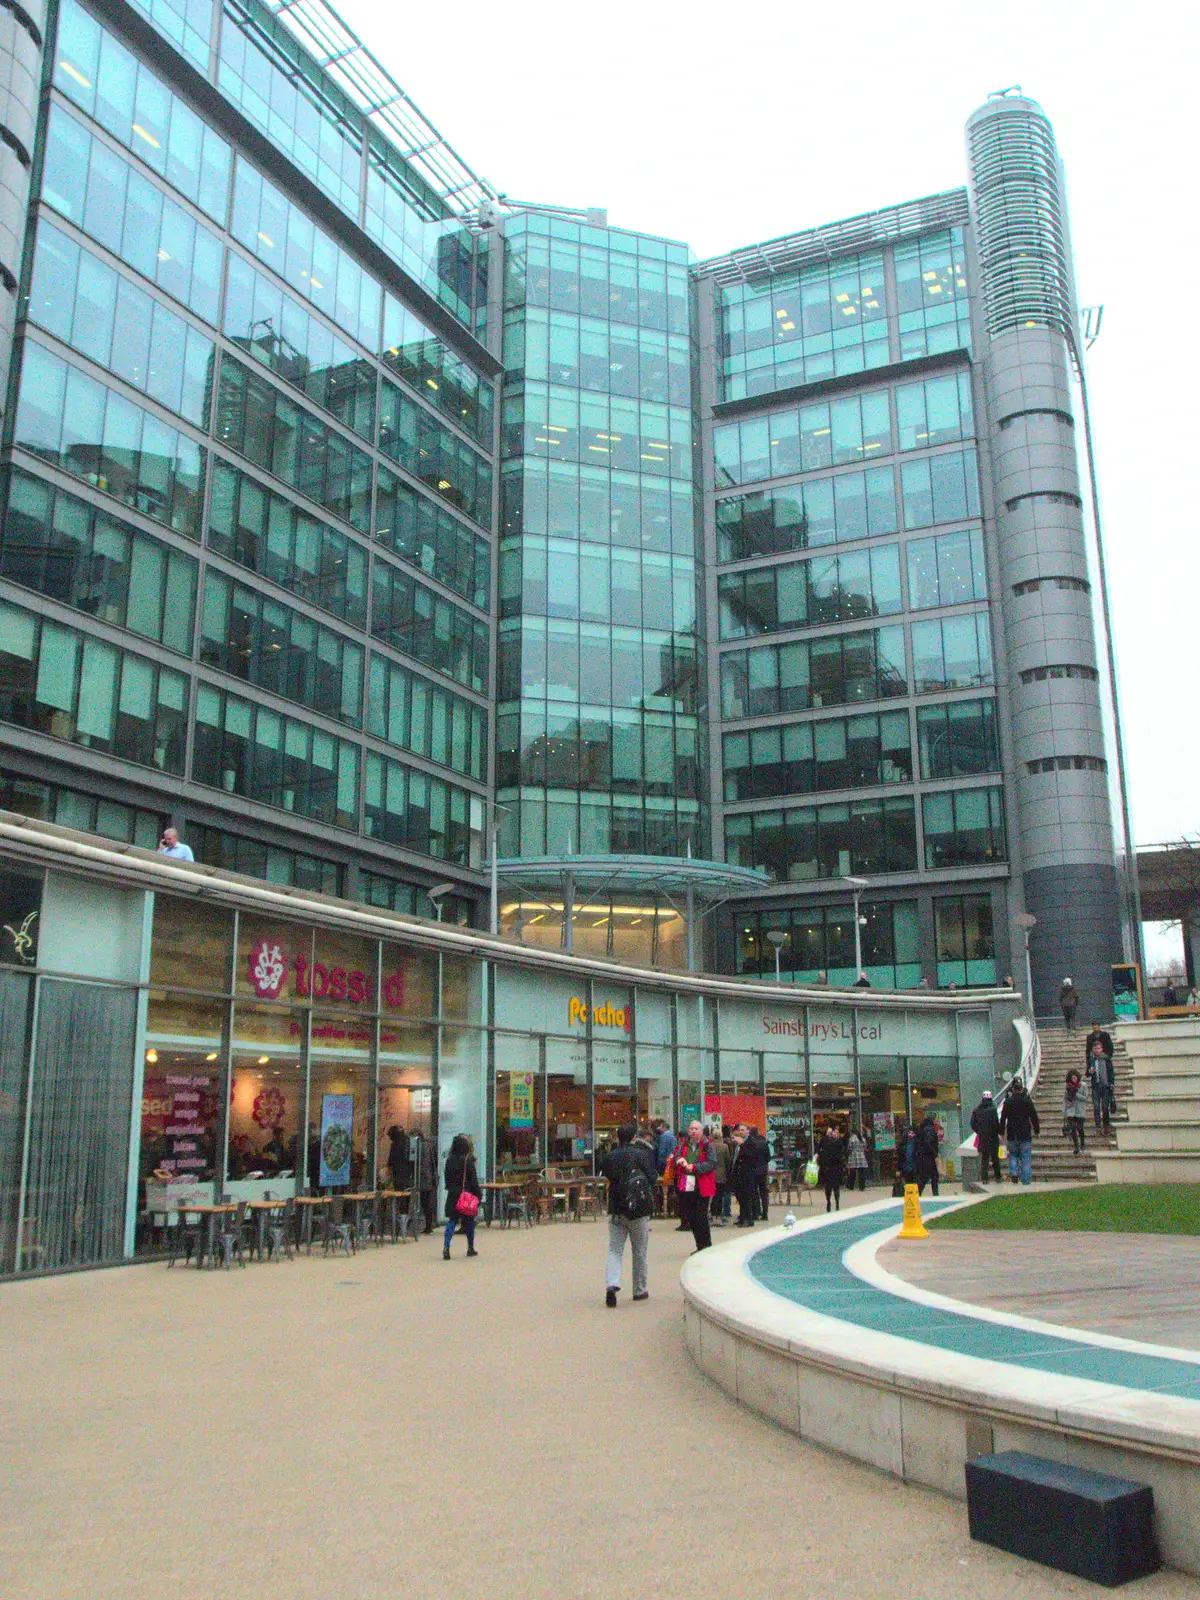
(724, 127)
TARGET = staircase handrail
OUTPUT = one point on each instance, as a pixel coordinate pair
(1031, 1057)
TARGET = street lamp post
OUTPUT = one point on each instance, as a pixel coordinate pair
(1027, 922)
(857, 885)
(777, 938)
(437, 893)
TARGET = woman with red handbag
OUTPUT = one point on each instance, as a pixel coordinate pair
(462, 1194)
(696, 1182)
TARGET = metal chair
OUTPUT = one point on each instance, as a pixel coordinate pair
(517, 1208)
(335, 1228)
(231, 1235)
(281, 1235)
(187, 1236)
(591, 1202)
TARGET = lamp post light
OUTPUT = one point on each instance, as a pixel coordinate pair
(437, 893)
(777, 938)
(1027, 922)
(857, 885)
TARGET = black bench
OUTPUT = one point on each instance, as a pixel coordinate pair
(1078, 1521)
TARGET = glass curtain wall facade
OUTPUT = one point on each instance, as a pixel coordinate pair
(598, 745)
(857, 722)
(245, 565)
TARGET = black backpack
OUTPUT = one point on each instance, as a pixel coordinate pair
(636, 1197)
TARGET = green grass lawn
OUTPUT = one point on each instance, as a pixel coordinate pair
(1101, 1208)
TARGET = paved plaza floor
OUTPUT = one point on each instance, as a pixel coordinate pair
(394, 1425)
(1138, 1286)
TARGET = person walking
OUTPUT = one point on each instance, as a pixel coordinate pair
(399, 1166)
(906, 1155)
(831, 1160)
(1089, 1044)
(760, 1158)
(741, 1176)
(720, 1199)
(985, 1125)
(928, 1143)
(1068, 999)
(461, 1178)
(632, 1174)
(1100, 1081)
(856, 1160)
(664, 1148)
(1074, 1113)
(1018, 1123)
(695, 1182)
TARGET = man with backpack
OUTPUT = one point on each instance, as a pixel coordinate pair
(632, 1178)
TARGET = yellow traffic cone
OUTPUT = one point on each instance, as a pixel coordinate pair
(913, 1227)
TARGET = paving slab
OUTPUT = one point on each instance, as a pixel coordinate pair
(1137, 1286)
(398, 1425)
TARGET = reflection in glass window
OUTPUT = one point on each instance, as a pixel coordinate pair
(816, 943)
(63, 547)
(811, 674)
(941, 488)
(964, 828)
(807, 757)
(836, 433)
(966, 948)
(87, 429)
(936, 411)
(830, 841)
(419, 812)
(933, 310)
(947, 570)
(58, 681)
(852, 505)
(952, 653)
(410, 617)
(958, 740)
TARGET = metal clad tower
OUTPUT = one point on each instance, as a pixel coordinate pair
(1059, 756)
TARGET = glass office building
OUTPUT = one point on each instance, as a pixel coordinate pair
(364, 526)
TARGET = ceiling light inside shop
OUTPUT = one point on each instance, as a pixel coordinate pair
(211, 1056)
(152, 1056)
(262, 1060)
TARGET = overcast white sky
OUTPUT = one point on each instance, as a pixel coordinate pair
(723, 126)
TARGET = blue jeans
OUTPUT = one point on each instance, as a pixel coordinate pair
(1020, 1159)
(467, 1224)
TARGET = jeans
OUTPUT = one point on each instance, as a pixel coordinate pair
(693, 1210)
(637, 1231)
(1020, 1159)
(467, 1224)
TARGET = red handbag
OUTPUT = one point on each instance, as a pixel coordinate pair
(467, 1204)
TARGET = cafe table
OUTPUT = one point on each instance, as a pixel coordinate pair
(391, 1196)
(210, 1212)
(494, 1192)
(308, 1202)
(357, 1220)
(262, 1210)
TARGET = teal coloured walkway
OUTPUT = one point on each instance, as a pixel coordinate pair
(809, 1270)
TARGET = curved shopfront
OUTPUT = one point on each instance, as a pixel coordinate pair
(169, 1031)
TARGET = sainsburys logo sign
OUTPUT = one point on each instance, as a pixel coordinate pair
(269, 967)
(820, 1031)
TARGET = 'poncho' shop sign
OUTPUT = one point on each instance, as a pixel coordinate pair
(269, 964)
(603, 1016)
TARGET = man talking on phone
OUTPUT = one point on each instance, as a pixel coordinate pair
(172, 845)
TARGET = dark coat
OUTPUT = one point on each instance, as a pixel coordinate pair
(985, 1124)
(1019, 1118)
(742, 1173)
(1068, 997)
(759, 1152)
(927, 1147)
(460, 1175)
(622, 1160)
(831, 1158)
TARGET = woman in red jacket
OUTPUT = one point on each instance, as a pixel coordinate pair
(696, 1181)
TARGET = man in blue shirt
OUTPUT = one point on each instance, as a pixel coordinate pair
(171, 845)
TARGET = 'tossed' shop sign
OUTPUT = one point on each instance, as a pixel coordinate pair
(269, 966)
(605, 1016)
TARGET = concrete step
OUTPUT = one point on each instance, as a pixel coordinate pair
(1159, 1108)
(1161, 1166)
(1148, 1137)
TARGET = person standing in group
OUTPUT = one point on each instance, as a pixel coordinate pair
(1074, 1115)
(741, 1176)
(399, 1166)
(664, 1148)
(1018, 1123)
(831, 1160)
(760, 1160)
(1100, 1081)
(695, 1182)
(632, 1175)
(1068, 999)
(720, 1200)
(985, 1125)
(461, 1178)
(928, 1144)
(856, 1160)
